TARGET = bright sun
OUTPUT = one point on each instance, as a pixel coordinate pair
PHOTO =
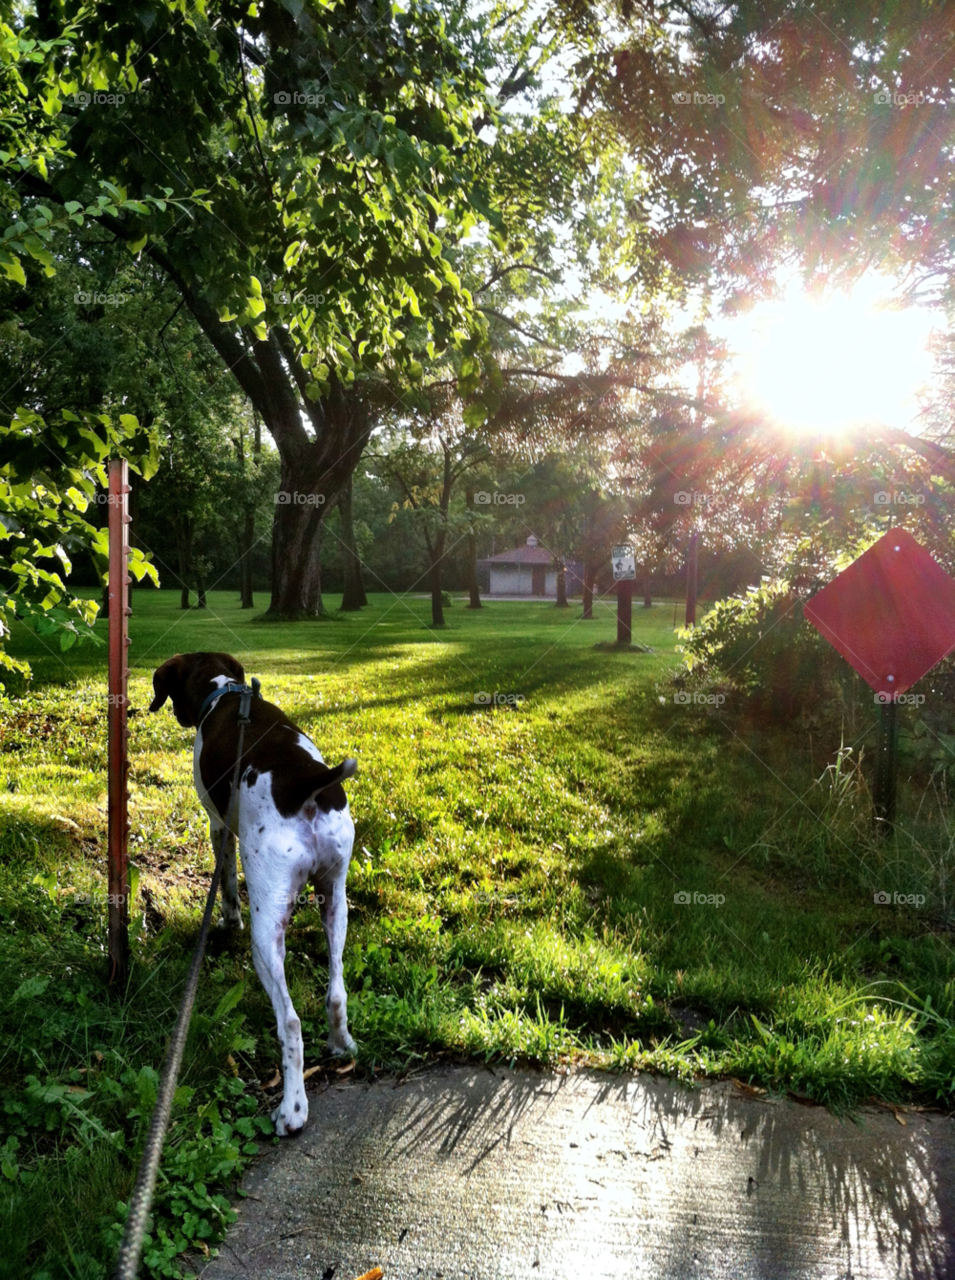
(833, 364)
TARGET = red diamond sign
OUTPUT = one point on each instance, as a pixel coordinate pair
(891, 614)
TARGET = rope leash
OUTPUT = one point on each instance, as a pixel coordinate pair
(130, 1251)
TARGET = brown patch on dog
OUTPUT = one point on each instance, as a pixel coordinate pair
(297, 777)
(187, 680)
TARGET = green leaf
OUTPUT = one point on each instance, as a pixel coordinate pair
(475, 415)
(12, 268)
(229, 1000)
(30, 989)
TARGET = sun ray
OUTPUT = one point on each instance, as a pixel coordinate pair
(830, 365)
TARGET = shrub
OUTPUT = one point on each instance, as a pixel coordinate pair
(764, 645)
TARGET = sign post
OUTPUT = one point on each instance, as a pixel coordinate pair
(891, 615)
(886, 767)
(118, 820)
(624, 573)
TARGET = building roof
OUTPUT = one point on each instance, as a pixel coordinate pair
(522, 555)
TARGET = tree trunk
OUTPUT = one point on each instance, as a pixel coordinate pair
(590, 577)
(248, 539)
(692, 557)
(201, 591)
(245, 564)
(313, 477)
(354, 594)
(474, 591)
(437, 606)
(185, 561)
(296, 577)
(316, 462)
(561, 585)
(648, 588)
(436, 551)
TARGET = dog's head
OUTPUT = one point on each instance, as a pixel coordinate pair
(189, 678)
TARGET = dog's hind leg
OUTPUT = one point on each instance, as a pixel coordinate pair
(334, 908)
(269, 921)
(229, 884)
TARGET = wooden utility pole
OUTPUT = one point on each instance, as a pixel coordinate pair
(624, 610)
(118, 756)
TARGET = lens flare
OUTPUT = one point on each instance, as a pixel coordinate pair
(834, 364)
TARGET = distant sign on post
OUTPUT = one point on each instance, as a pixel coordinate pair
(624, 564)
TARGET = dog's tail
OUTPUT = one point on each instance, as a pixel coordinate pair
(347, 769)
(290, 794)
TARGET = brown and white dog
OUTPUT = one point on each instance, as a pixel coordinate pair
(293, 826)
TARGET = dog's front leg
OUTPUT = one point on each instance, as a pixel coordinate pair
(269, 922)
(334, 909)
(231, 909)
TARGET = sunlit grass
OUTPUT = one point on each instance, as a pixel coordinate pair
(512, 890)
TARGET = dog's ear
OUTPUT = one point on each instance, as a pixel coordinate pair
(234, 666)
(166, 681)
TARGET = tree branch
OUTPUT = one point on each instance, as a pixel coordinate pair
(927, 449)
(226, 343)
(500, 273)
(499, 315)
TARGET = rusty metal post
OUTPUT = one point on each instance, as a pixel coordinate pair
(117, 878)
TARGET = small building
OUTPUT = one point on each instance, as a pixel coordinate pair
(530, 571)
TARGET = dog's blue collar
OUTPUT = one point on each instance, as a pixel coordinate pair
(224, 689)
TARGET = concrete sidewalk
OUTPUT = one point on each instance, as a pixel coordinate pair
(462, 1172)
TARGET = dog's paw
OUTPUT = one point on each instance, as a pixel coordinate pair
(227, 923)
(289, 1118)
(339, 1045)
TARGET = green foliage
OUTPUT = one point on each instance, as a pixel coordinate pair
(762, 644)
(330, 210)
(49, 475)
(80, 1077)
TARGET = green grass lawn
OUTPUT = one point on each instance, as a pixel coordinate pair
(514, 894)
